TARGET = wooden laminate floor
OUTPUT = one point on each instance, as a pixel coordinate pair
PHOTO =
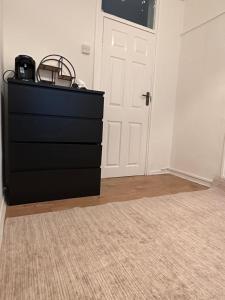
(114, 189)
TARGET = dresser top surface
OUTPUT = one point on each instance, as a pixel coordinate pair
(58, 87)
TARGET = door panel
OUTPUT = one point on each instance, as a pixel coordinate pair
(135, 134)
(119, 39)
(141, 46)
(137, 85)
(117, 69)
(114, 143)
(127, 70)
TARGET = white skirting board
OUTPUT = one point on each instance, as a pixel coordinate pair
(184, 175)
(2, 219)
(158, 172)
(191, 177)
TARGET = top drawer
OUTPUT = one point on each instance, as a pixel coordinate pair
(56, 102)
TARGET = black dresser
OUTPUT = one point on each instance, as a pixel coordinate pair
(52, 142)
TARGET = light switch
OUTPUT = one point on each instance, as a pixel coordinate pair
(86, 49)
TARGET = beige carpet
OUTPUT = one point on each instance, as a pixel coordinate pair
(170, 247)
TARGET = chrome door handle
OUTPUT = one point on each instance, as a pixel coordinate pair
(148, 98)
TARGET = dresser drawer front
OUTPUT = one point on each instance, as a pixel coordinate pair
(47, 101)
(27, 187)
(24, 128)
(36, 156)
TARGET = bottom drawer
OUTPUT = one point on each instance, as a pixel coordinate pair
(28, 187)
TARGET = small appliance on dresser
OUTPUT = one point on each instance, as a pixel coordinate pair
(24, 68)
(52, 142)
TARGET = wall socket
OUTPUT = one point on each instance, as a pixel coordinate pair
(86, 49)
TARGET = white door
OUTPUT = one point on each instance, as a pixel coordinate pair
(127, 71)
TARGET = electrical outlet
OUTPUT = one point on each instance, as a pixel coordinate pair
(86, 49)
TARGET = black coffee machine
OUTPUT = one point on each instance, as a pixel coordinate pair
(24, 68)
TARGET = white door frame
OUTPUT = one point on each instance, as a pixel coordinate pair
(99, 28)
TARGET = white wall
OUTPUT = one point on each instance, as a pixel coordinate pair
(199, 11)
(166, 75)
(39, 28)
(2, 203)
(200, 110)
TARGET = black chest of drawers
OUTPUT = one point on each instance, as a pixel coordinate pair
(52, 142)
